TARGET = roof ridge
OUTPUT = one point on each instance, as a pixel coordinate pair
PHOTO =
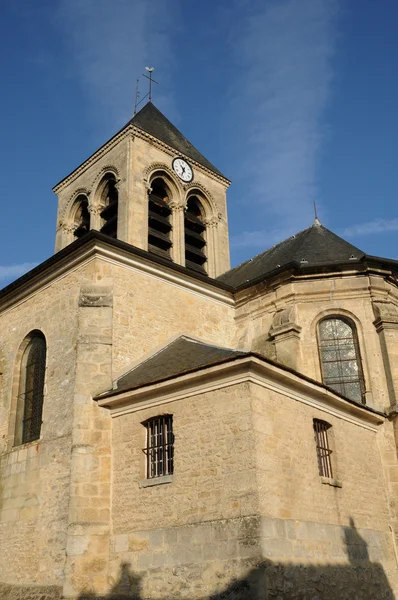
(294, 235)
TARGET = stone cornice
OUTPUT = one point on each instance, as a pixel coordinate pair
(128, 130)
(140, 133)
(93, 158)
(83, 251)
(248, 369)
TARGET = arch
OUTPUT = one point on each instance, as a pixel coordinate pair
(67, 211)
(80, 216)
(161, 170)
(30, 374)
(107, 200)
(98, 179)
(195, 235)
(197, 189)
(340, 357)
(159, 217)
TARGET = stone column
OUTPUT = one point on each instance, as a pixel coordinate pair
(87, 548)
(285, 334)
(178, 235)
(95, 216)
(212, 246)
(386, 323)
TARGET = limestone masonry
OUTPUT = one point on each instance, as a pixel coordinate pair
(171, 428)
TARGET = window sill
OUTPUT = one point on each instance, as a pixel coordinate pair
(331, 481)
(156, 481)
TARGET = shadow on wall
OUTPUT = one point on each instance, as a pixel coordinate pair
(267, 580)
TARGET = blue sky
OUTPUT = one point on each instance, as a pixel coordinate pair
(296, 101)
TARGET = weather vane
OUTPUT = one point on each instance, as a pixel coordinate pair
(149, 94)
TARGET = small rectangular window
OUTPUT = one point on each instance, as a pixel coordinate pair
(159, 448)
(324, 452)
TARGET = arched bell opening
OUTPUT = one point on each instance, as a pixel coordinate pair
(109, 200)
(195, 236)
(81, 217)
(159, 219)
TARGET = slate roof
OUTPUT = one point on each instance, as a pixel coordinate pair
(182, 355)
(313, 246)
(151, 120)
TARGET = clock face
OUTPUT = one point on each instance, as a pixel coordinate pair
(183, 170)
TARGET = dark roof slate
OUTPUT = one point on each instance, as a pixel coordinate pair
(182, 355)
(152, 121)
(315, 245)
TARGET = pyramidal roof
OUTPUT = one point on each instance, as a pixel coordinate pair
(315, 245)
(152, 121)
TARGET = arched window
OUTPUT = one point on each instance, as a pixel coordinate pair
(31, 389)
(159, 225)
(340, 357)
(109, 200)
(195, 241)
(81, 219)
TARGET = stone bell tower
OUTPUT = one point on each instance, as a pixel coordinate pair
(149, 186)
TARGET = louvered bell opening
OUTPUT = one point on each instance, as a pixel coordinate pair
(83, 219)
(159, 227)
(110, 212)
(195, 243)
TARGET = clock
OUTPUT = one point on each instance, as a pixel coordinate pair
(182, 169)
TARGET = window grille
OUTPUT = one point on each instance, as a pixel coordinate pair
(340, 358)
(195, 232)
(32, 388)
(322, 448)
(159, 448)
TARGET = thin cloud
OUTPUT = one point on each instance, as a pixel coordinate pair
(261, 239)
(13, 271)
(111, 43)
(372, 227)
(283, 50)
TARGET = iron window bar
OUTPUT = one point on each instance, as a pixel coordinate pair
(323, 449)
(159, 448)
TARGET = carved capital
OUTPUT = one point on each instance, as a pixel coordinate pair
(283, 323)
(386, 315)
(176, 206)
(95, 210)
(67, 227)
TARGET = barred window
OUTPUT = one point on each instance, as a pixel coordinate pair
(31, 390)
(340, 357)
(159, 448)
(323, 450)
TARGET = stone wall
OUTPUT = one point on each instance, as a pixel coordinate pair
(147, 312)
(35, 477)
(307, 301)
(247, 514)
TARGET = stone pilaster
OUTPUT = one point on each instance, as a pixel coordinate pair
(386, 323)
(285, 334)
(89, 506)
(212, 246)
(178, 236)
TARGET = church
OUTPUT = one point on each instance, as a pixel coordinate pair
(173, 428)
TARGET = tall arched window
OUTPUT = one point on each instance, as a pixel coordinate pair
(81, 218)
(31, 389)
(340, 357)
(109, 200)
(195, 232)
(159, 220)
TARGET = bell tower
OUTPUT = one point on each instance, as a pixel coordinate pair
(150, 187)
